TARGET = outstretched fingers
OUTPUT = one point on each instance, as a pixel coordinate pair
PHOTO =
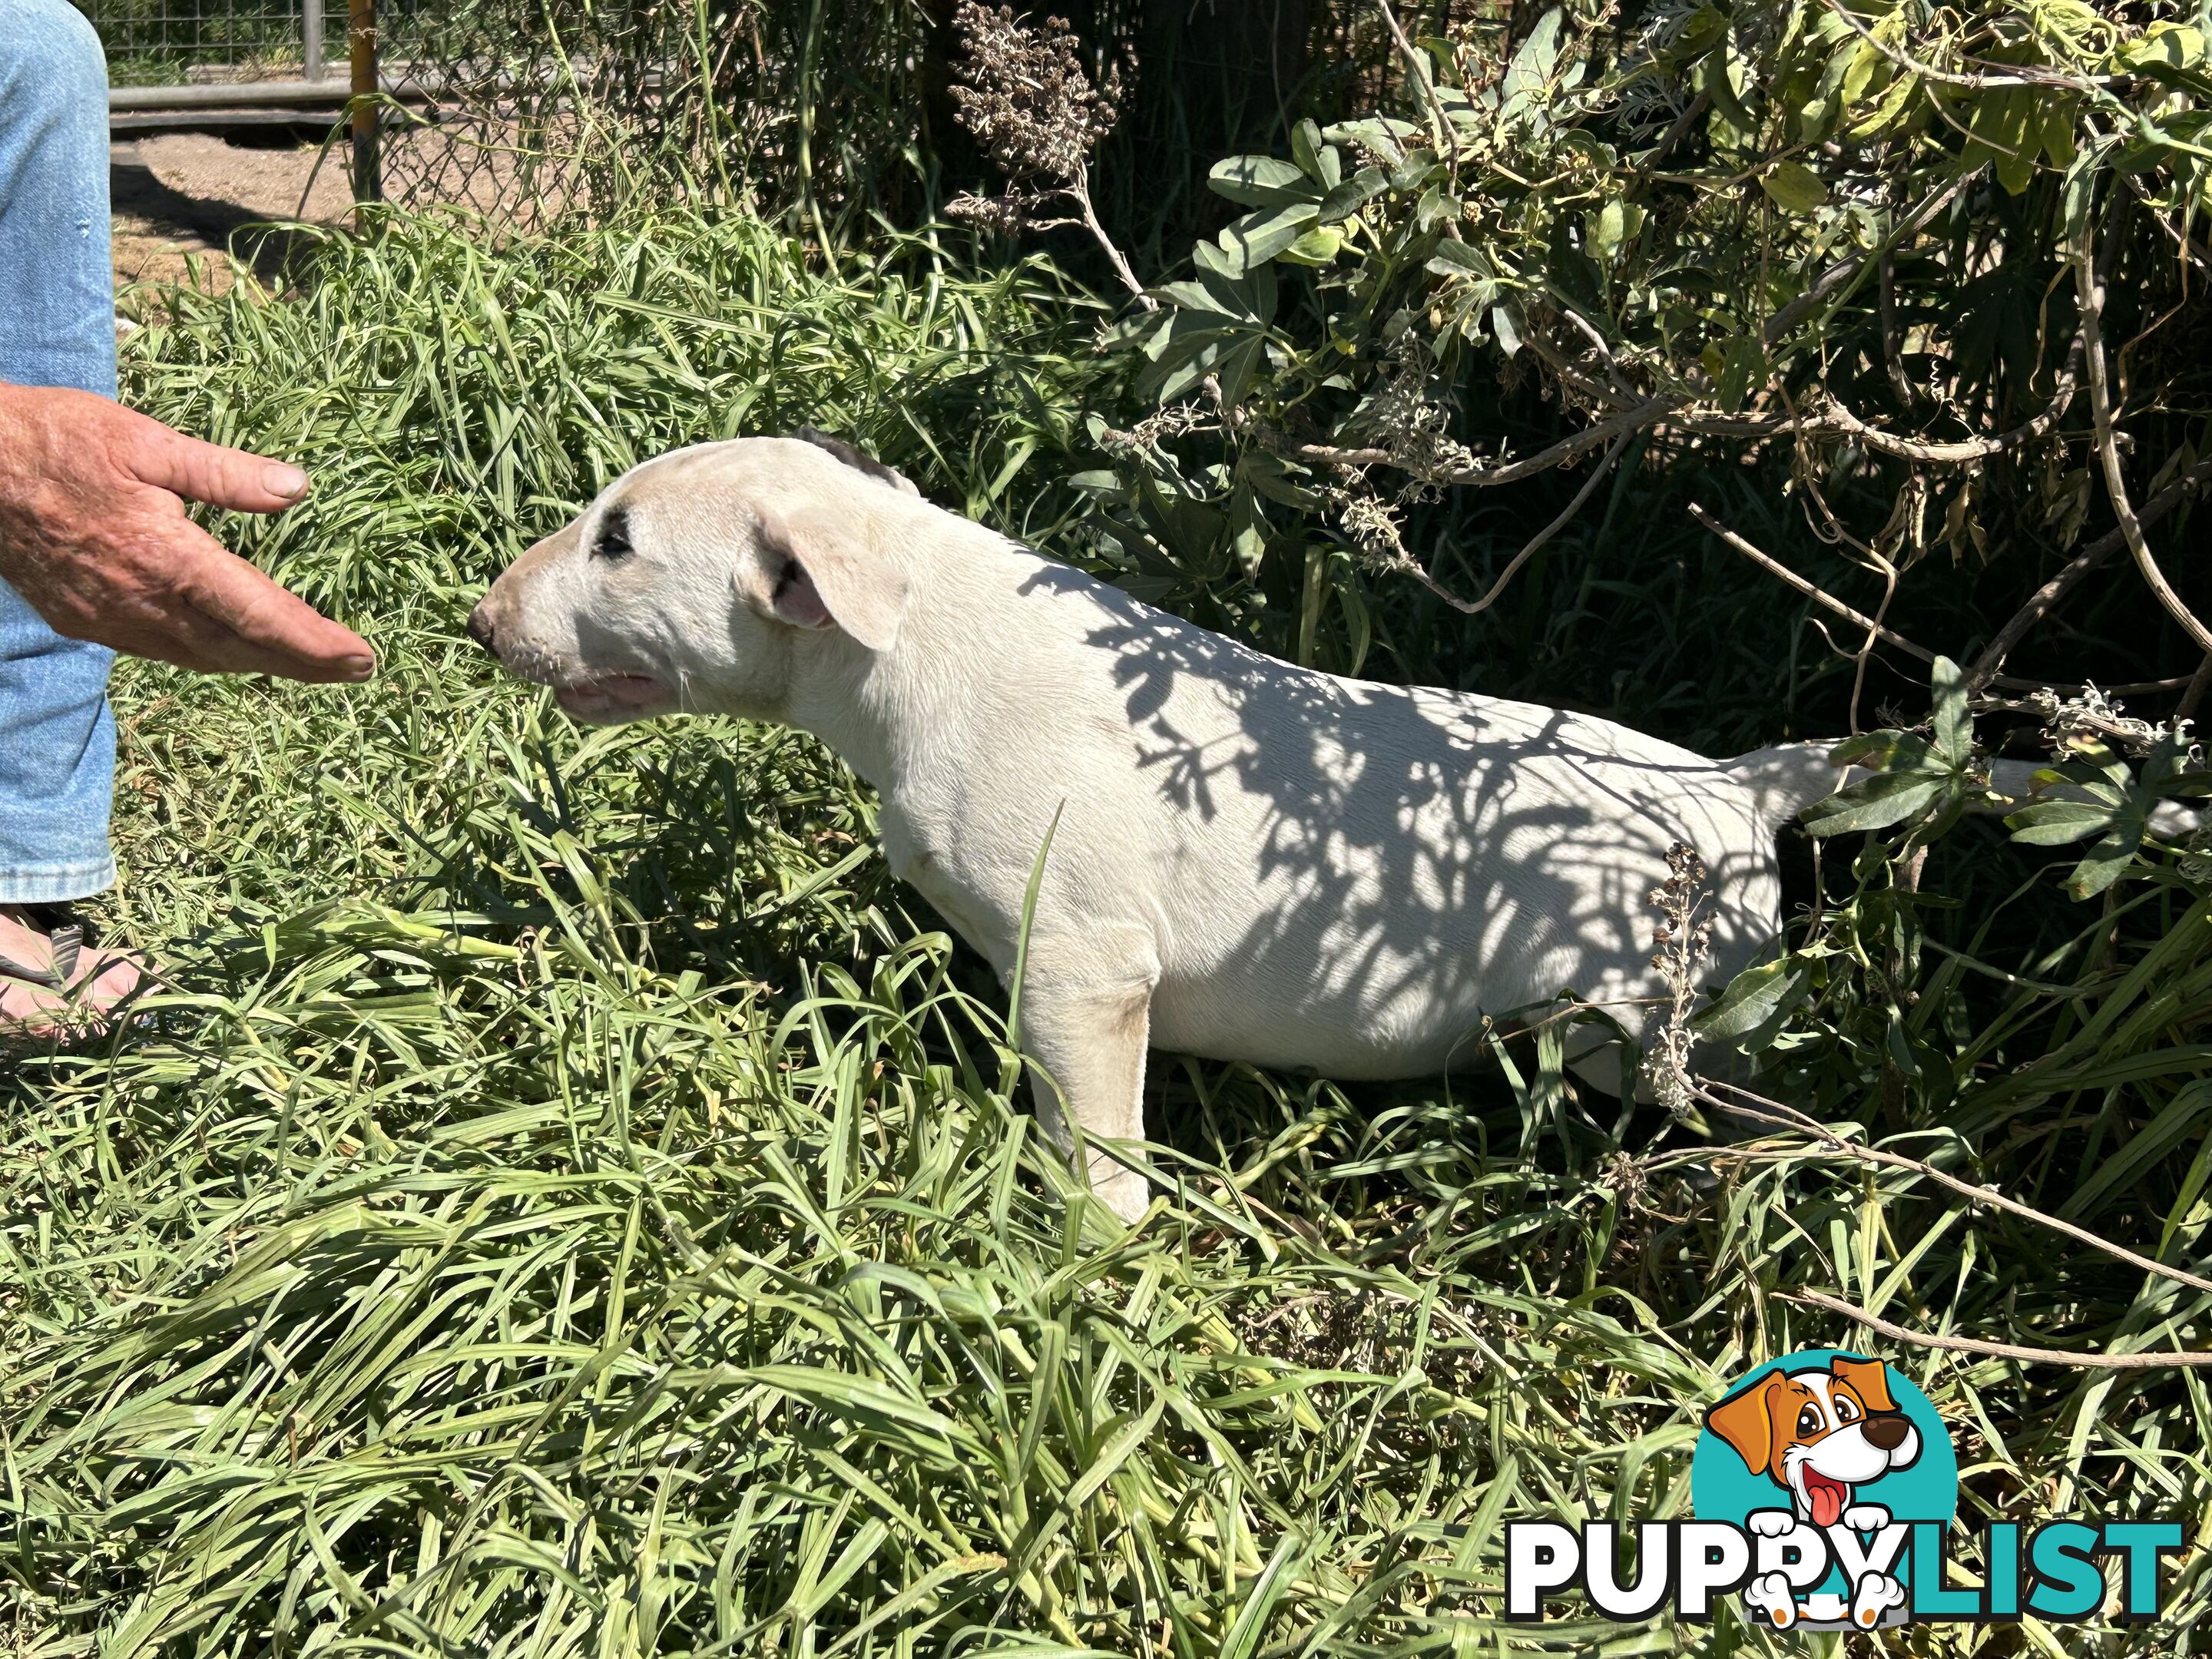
(208, 472)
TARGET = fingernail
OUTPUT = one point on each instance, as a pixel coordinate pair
(286, 481)
(358, 668)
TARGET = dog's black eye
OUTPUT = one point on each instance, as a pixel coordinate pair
(1845, 1411)
(1809, 1421)
(613, 540)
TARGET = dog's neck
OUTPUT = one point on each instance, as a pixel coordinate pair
(894, 716)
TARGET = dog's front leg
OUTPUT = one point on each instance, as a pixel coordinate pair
(1089, 1033)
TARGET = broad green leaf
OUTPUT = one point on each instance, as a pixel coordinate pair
(1744, 365)
(1347, 198)
(1753, 998)
(1867, 61)
(1386, 135)
(1261, 181)
(1317, 247)
(1887, 799)
(1604, 230)
(1451, 257)
(1954, 727)
(1794, 187)
(2056, 822)
(1527, 76)
(1259, 237)
(2108, 862)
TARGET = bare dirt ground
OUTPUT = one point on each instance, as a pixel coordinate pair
(182, 194)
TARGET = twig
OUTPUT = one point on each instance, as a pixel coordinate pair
(2043, 600)
(1787, 1117)
(1420, 72)
(1844, 269)
(1775, 567)
(2149, 1360)
(1898, 385)
(1697, 106)
(2030, 75)
(2193, 694)
(2117, 733)
(1648, 413)
(1081, 191)
(1476, 607)
(2093, 298)
(1967, 449)
(1890, 637)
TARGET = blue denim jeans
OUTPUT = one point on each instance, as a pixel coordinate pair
(57, 328)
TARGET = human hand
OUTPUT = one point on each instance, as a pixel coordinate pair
(93, 534)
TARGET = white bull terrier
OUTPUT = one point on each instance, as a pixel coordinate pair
(1253, 861)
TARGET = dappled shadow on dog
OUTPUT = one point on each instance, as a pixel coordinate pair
(1482, 882)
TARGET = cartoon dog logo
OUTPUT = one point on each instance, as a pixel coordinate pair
(1819, 1436)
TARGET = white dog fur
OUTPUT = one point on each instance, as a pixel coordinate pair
(1253, 861)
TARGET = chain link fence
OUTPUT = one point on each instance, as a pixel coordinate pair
(833, 110)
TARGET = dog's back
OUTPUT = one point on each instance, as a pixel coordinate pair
(1337, 875)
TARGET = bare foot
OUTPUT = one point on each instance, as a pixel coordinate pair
(91, 983)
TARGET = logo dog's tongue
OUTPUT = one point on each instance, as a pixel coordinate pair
(1827, 1496)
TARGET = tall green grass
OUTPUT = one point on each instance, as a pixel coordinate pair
(568, 1201)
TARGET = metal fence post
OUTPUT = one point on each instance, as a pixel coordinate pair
(360, 39)
(311, 38)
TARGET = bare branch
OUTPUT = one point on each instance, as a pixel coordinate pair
(1846, 269)
(1775, 567)
(1648, 413)
(2101, 409)
(1787, 1117)
(1476, 607)
(2147, 1360)
(1969, 449)
(2045, 597)
(1417, 72)
(2025, 75)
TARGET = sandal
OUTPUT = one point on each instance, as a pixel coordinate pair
(52, 983)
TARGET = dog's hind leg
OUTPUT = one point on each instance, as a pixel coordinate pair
(1090, 1037)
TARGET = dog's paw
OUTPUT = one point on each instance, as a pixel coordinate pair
(1771, 1523)
(1866, 1517)
(1772, 1595)
(1122, 1190)
(1876, 1593)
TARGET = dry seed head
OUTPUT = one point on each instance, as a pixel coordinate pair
(1022, 93)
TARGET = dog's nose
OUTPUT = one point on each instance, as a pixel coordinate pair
(1886, 1430)
(480, 626)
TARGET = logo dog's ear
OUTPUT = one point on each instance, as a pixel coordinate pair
(1868, 1379)
(1746, 1421)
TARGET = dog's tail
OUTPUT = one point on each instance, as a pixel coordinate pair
(1789, 777)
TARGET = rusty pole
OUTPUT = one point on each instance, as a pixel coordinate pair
(360, 39)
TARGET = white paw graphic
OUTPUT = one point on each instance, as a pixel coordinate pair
(1866, 1517)
(1876, 1593)
(1772, 1595)
(1771, 1523)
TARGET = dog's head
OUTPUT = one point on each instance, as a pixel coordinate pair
(689, 583)
(1818, 1434)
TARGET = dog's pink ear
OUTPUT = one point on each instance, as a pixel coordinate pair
(820, 569)
(1746, 1421)
(1868, 1379)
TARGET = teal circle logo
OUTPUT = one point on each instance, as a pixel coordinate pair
(1829, 1457)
